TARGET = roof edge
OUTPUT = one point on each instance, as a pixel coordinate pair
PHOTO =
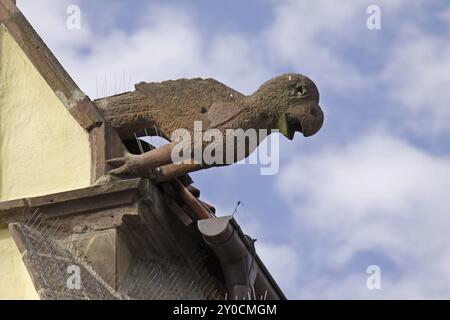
(111, 194)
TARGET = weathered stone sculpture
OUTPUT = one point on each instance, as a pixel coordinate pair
(287, 103)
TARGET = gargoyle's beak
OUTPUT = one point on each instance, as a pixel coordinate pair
(307, 119)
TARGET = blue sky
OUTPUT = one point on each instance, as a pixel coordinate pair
(371, 188)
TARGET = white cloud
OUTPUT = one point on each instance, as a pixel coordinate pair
(375, 194)
(294, 38)
(418, 78)
(167, 45)
(50, 19)
(284, 264)
(310, 36)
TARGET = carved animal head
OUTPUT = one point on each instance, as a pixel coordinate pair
(292, 103)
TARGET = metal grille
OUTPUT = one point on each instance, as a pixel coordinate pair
(51, 254)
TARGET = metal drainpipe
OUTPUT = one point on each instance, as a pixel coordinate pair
(238, 264)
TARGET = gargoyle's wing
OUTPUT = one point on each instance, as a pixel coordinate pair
(222, 112)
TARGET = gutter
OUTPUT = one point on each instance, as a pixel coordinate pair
(246, 276)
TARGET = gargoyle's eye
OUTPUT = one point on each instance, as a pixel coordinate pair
(299, 91)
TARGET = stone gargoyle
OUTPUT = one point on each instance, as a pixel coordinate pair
(288, 103)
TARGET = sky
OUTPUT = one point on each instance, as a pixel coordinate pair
(371, 188)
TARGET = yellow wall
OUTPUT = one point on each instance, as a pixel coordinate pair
(15, 283)
(43, 150)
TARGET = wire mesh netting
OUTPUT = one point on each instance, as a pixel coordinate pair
(61, 271)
